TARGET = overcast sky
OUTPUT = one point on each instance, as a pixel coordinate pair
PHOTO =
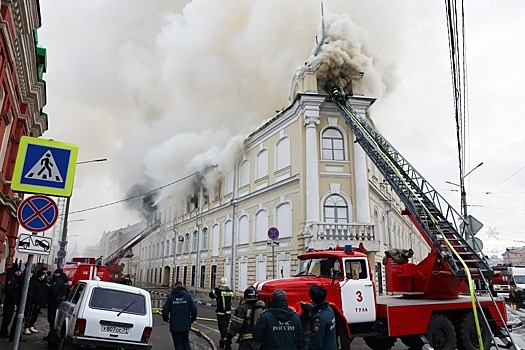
(161, 88)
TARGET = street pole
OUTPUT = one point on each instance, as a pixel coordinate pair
(61, 254)
(21, 307)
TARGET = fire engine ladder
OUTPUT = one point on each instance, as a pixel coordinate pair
(440, 221)
(132, 242)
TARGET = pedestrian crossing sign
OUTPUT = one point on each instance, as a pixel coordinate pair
(45, 166)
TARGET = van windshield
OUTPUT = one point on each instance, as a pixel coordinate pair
(118, 301)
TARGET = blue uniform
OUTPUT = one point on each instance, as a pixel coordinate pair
(322, 332)
(279, 328)
(180, 310)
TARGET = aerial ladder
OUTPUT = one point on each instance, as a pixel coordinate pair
(125, 250)
(452, 261)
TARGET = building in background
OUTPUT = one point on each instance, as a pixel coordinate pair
(22, 98)
(300, 172)
(514, 256)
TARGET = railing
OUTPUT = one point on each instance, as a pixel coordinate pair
(341, 231)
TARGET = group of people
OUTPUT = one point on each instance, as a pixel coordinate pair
(276, 327)
(45, 289)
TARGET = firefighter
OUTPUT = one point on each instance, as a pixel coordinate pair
(244, 318)
(127, 280)
(321, 321)
(180, 310)
(224, 297)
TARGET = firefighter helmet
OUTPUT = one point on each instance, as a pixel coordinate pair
(250, 293)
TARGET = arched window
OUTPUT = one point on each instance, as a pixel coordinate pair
(180, 244)
(283, 220)
(261, 226)
(228, 233)
(204, 245)
(335, 209)
(194, 240)
(282, 153)
(262, 164)
(167, 246)
(229, 182)
(215, 234)
(244, 230)
(187, 243)
(333, 147)
(244, 176)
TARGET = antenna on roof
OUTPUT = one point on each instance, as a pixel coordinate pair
(323, 33)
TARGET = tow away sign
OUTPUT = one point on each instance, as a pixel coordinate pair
(45, 166)
(33, 244)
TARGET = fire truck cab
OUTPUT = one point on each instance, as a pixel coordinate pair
(84, 269)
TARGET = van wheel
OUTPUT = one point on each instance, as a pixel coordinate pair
(440, 333)
(467, 334)
(380, 343)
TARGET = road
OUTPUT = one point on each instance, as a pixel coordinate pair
(205, 324)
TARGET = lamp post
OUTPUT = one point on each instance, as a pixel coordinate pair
(61, 254)
(464, 195)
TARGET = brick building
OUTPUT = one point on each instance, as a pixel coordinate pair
(22, 97)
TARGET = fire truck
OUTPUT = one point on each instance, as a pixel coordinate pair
(84, 269)
(113, 260)
(425, 307)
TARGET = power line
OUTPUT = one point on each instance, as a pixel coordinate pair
(133, 197)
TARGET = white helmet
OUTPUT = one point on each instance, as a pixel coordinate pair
(224, 282)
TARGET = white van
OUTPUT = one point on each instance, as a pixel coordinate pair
(104, 314)
(517, 283)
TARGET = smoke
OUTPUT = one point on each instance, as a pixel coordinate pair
(343, 57)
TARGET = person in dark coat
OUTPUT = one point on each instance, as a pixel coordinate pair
(13, 292)
(127, 280)
(57, 293)
(279, 327)
(321, 321)
(48, 280)
(243, 319)
(179, 304)
(224, 296)
(35, 295)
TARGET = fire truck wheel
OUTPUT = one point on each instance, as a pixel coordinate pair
(413, 341)
(440, 333)
(467, 335)
(380, 343)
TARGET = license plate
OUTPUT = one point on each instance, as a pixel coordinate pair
(115, 329)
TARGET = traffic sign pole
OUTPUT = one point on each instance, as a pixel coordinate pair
(23, 299)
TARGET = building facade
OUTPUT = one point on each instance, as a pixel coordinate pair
(22, 97)
(302, 173)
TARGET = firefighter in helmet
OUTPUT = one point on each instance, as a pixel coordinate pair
(244, 318)
(224, 296)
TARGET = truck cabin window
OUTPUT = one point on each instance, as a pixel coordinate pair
(355, 269)
(321, 267)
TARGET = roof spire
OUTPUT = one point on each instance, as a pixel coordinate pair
(323, 33)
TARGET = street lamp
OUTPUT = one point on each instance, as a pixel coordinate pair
(464, 194)
(61, 254)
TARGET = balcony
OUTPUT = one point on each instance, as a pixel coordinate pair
(323, 235)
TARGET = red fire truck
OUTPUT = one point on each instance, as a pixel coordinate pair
(84, 269)
(425, 308)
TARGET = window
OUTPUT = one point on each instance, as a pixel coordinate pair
(284, 220)
(213, 276)
(193, 275)
(335, 209)
(167, 248)
(204, 245)
(187, 243)
(262, 164)
(185, 275)
(180, 244)
(261, 226)
(228, 233)
(244, 230)
(332, 145)
(177, 274)
(229, 182)
(173, 246)
(117, 300)
(215, 239)
(203, 276)
(356, 269)
(282, 153)
(194, 240)
(244, 176)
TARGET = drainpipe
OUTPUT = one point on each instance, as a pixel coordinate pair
(232, 267)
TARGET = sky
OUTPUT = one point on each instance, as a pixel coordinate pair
(163, 88)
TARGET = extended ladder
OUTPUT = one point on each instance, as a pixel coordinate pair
(438, 219)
